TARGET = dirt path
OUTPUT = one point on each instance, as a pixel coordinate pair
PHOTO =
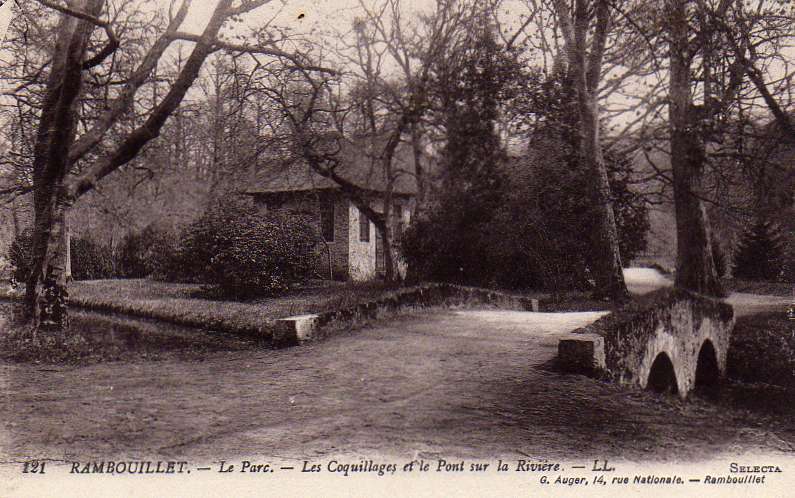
(643, 280)
(458, 383)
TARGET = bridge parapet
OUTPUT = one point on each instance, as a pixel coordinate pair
(668, 340)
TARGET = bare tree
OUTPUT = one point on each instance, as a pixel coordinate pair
(378, 103)
(58, 152)
(584, 59)
(695, 267)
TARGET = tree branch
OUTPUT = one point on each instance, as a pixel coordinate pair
(124, 101)
(113, 40)
(253, 49)
(138, 138)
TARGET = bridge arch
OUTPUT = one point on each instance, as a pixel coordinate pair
(662, 375)
(707, 368)
(670, 340)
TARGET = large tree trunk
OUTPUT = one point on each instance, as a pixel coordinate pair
(585, 66)
(387, 229)
(54, 190)
(419, 174)
(46, 296)
(608, 273)
(695, 268)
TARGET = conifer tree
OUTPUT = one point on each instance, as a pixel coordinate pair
(759, 252)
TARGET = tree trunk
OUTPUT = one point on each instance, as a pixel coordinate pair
(608, 271)
(585, 69)
(695, 268)
(15, 218)
(46, 296)
(419, 174)
(386, 233)
(389, 257)
(67, 242)
(46, 293)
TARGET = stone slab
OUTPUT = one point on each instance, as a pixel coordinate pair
(582, 353)
(293, 330)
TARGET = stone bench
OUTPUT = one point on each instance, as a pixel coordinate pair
(582, 353)
(294, 330)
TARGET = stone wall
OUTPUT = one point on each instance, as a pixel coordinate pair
(362, 254)
(430, 294)
(669, 322)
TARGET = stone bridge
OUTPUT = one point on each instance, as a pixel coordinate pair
(668, 340)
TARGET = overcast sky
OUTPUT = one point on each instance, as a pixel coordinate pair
(318, 17)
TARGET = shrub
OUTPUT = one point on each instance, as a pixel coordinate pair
(762, 349)
(19, 254)
(199, 242)
(243, 254)
(719, 257)
(759, 253)
(145, 253)
(90, 260)
(263, 256)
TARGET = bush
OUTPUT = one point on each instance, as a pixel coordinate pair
(523, 223)
(762, 349)
(243, 254)
(91, 260)
(719, 257)
(759, 255)
(148, 252)
(19, 254)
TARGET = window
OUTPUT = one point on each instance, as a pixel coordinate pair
(364, 227)
(327, 219)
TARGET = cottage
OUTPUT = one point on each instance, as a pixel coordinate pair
(352, 247)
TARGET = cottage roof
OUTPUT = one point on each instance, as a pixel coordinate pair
(356, 165)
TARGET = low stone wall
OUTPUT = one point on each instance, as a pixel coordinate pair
(428, 294)
(668, 324)
(431, 294)
(294, 330)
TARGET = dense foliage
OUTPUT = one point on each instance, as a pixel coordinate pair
(145, 253)
(90, 260)
(450, 245)
(19, 255)
(243, 254)
(520, 222)
(234, 250)
(759, 254)
(719, 257)
(763, 350)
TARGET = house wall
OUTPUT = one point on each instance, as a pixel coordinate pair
(362, 254)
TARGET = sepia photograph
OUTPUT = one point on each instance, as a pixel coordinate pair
(397, 248)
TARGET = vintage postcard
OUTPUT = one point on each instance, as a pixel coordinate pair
(397, 248)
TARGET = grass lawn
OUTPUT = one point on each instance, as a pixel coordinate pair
(763, 349)
(757, 287)
(183, 304)
(95, 337)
